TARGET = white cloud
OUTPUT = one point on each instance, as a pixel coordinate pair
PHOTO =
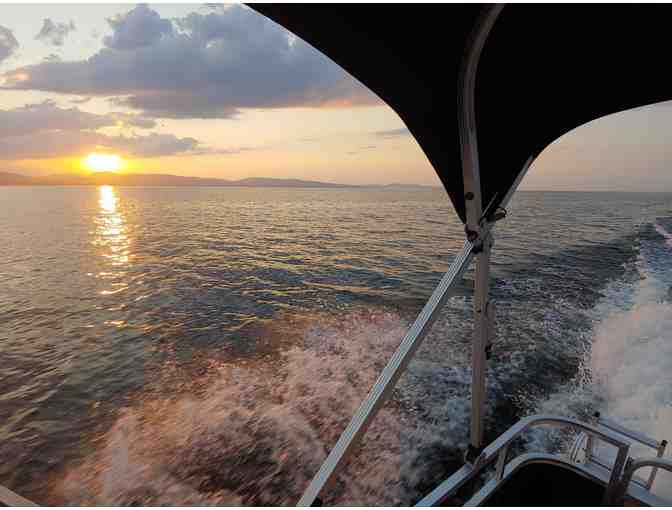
(44, 130)
(392, 133)
(130, 120)
(46, 116)
(58, 144)
(203, 66)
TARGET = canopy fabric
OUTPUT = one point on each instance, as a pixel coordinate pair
(544, 70)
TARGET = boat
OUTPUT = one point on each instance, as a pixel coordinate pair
(484, 89)
(501, 84)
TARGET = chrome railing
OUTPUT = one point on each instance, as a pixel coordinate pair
(499, 449)
(633, 465)
(659, 446)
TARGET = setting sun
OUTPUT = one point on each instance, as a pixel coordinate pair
(98, 162)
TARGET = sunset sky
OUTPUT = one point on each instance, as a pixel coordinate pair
(212, 91)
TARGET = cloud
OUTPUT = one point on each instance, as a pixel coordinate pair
(58, 144)
(54, 33)
(44, 130)
(130, 120)
(361, 149)
(137, 28)
(223, 152)
(392, 133)
(153, 145)
(204, 66)
(52, 57)
(81, 100)
(213, 6)
(8, 43)
(46, 116)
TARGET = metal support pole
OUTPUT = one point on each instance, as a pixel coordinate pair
(474, 210)
(660, 451)
(483, 322)
(467, 117)
(612, 493)
(479, 343)
(386, 381)
(397, 364)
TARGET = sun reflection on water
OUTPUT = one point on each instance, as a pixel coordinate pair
(111, 237)
(108, 199)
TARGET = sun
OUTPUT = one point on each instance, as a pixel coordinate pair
(99, 162)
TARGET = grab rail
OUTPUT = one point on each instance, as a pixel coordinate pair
(630, 434)
(636, 464)
(499, 449)
(659, 446)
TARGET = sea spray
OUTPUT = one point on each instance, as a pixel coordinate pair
(257, 434)
(627, 373)
(255, 430)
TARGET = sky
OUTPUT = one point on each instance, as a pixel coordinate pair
(220, 91)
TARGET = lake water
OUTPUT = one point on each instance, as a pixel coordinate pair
(208, 345)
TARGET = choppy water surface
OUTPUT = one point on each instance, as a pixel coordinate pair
(207, 346)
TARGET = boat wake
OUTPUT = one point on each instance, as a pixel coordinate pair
(627, 375)
(254, 432)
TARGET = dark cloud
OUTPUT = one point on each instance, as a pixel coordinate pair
(204, 66)
(57, 144)
(46, 116)
(153, 145)
(138, 28)
(54, 33)
(8, 43)
(44, 130)
(392, 133)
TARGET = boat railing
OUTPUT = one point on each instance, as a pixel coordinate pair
(604, 423)
(499, 450)
(634, 465)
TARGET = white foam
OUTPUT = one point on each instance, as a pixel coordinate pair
(668, 237)
(627, 375)
(259, 431)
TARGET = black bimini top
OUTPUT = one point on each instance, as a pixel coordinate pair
(544, 70)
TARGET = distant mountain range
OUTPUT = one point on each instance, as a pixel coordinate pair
(110, 178)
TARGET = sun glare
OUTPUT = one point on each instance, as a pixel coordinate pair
(99, 162)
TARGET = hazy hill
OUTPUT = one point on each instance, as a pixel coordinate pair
(7, 179)
(102, 178)
(267, 182)
(409, 187)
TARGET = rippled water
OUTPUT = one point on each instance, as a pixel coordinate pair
(181, 346)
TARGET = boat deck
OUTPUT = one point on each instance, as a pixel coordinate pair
(547, 485)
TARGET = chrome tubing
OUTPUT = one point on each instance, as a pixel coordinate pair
(448, 488)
